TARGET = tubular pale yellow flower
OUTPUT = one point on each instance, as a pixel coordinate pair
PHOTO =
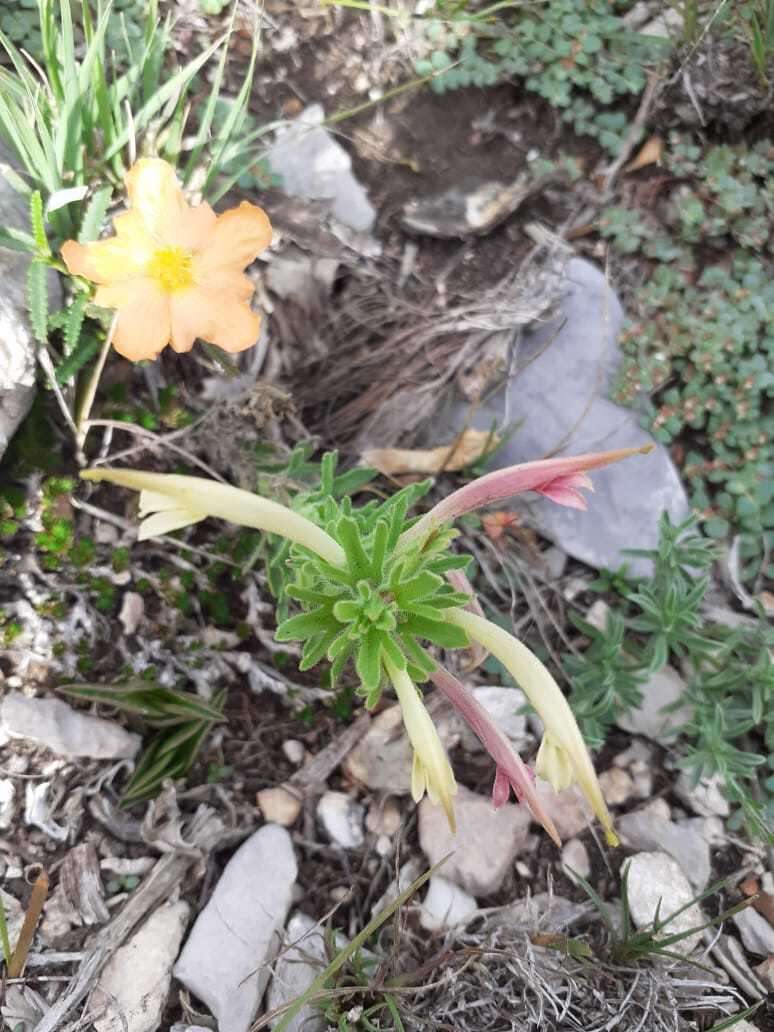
(563, 756)
(431, 770)
(169, 501)
(174, 272)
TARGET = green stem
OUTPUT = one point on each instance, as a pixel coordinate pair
(84, 410)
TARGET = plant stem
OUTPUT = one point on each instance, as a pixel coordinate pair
(84, 410)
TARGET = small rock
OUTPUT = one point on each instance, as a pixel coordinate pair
(65, 731)
(711, 829)
(651, 719)
(658, 807)
(133, 988)
(295, 969)
(657, 884)
(575, 856)
(642, 778)
(756, 932)
(706, 799)
(383, 817)
(503, 705)
(305, 278)
(445, 905)
(544, 912)
(765, 972)
(311, 163)
(644, 830)
(7, 802)
(279, 806)
(616, 786)
(342, 818)
(383, 845)
(407, 874)
(568, 809)
(638, 752)
(668, 25)
(294, 751)
(461, 213)
(555, 560)
(225, 961)
(486, 843)
(132, 611)
(598, 614)
(382, 760)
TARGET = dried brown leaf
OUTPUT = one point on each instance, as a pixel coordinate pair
(470, 446)
(649, 154)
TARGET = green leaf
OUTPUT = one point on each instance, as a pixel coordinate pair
(315, 649)
(94, 216)
(419, 587)
(379, 549)
(304, 625)
(169, 91)
(17, 240)
(37, 299)
(86, 348)
(448, 636)
(236, 114)
(369, 659)
(38, 223)
(74, 323)
(347, 534)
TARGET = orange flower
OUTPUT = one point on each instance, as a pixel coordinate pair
(172, 272)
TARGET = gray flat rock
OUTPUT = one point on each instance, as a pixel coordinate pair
(705, 798)
(342, 818)
(486, 843)
(445, 905)
(559, 403)
(756, 932)
(657, 885)
(646, 830)
(312, 164)
(295, 969)
(65, 731)
(133, 988)
(503, 704)
(225, 962)
(653, 718)
(17, 347)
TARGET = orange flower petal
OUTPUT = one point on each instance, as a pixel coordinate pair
(106, 261)
(143, 325)
(156, 197)
(239, 236)
(222, 319)
(223, 281)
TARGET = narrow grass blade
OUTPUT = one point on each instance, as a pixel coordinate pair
(4, 940)
(362, 937)
(94, 216)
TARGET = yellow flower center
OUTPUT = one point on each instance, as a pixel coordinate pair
(171, 268)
